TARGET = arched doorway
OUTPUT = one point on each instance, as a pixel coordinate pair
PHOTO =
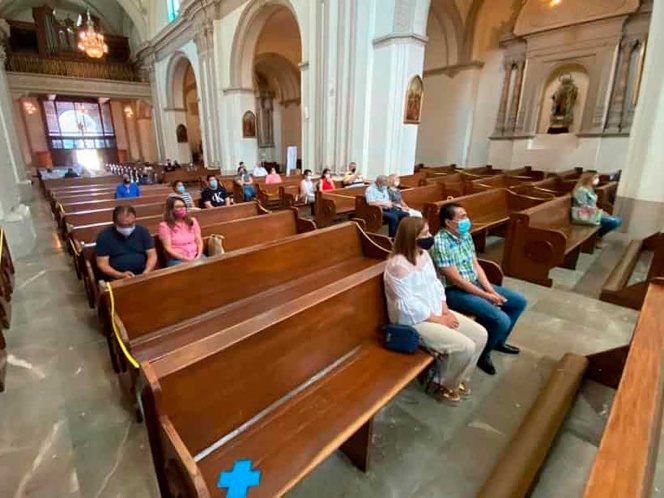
(184, 107)
(267, 61)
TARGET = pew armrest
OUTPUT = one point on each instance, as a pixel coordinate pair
(493, 271)
(303, 225)
(372, 215)
(545, 246)
(182, 474)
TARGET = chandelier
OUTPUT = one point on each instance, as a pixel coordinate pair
(91, 42)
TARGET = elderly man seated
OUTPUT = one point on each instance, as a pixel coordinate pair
(378, 195)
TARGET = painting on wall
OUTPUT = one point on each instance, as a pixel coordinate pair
(249, 125)
(181, 134)
(414, 97)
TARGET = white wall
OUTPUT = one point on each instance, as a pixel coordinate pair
(291, 126)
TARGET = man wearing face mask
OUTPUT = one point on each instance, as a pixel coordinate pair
(215, 194)
(127, 189)
(352, 176)
(378, 195)
(468, 289)
(125, 249)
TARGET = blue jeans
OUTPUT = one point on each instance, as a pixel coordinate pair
(249, 192)
(176, 262)
(498, 321)
(608, 224)
(393, 217)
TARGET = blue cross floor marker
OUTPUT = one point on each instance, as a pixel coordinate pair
(240, 479)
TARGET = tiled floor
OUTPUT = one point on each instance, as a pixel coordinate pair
(64, 431)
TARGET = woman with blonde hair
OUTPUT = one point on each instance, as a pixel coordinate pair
(584, 205)
(416, 297)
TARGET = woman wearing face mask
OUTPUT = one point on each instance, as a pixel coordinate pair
(326, 184)
(307, 190)
(180, 234)
(584, 205)
(397, 199)
(416, 297)
(179, 190)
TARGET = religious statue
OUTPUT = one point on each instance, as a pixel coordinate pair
(562, 109)
(414, 96)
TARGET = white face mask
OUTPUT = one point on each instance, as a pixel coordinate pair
(396, 184)
(595, 181)
(126, 231)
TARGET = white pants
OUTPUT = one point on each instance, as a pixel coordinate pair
(414, 213)
(461, 347)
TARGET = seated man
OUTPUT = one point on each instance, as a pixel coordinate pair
(377, 195)
(125, 249)
(71, 173)
(259, 171)
(352, 176)
(215, 194)
(467, 288)
(127, 189)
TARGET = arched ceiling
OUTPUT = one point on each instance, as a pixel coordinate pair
(281, 35)
(118, 17)
(280, 73)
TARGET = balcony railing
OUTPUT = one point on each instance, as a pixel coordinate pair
(28, 63)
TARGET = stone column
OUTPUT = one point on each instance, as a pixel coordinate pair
(208, 109)
(397, 51)
(148, 69)
(516, 97)
(640, 194)
(614, 121)
(504, 96)
(15, 217)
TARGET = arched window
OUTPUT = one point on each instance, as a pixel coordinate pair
(173, 9)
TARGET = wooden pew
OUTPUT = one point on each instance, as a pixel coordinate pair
(147, 191)
(330, 206)
(269, 195)
(625, 462)
(47, 185)
(413, 181)
(543, 237)
(489, 212)
(238, 233)
(186, 175)
(296, 364)
(527, 172)
(616, 289)
(498, 181)
(415, 198)
(455, 184)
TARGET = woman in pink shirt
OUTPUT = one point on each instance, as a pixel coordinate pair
(273, 177)
(180, 234)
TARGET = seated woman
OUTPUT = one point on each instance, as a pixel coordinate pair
(326, 184)
(179, 190)
(273, 177)
(584, 205)
(397, 199)
(416, 297)
(180, 234)
(307, 190)
(244, 180)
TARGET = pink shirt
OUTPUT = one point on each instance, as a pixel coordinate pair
(183, 238)
(272, 179)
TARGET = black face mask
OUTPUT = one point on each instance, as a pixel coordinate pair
(425, 243)
(126, 181)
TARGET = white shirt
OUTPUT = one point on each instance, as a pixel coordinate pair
(413, 292)
(259, 171)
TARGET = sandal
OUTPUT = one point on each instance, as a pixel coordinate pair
(445, 395)
(464, 389)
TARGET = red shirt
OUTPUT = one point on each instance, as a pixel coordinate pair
(327, 185)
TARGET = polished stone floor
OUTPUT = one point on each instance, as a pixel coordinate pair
(64, 432)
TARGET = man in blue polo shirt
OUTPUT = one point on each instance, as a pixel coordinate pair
(127, 189)
(125, 249)
(378, 195)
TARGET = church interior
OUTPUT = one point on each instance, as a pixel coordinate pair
(336, 248)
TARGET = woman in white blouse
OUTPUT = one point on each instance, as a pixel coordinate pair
(416, 297)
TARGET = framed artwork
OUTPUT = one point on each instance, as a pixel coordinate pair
(182, 135)
(249, 125)
(414, 97)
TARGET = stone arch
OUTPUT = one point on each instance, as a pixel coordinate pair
(447, 15)
(176, 74)
(286, 76)
(249, 29)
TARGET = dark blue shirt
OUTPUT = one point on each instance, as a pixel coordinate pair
(125, 253)
(124, 191)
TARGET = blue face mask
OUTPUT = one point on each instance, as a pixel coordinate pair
(464, 226)
(214, 184)
(180, 188)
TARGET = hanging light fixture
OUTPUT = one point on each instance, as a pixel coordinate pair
(91, 42)
(129, 112)
(29, 107)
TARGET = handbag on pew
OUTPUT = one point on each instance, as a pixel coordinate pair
(401, 338)
(585, 215)
(216, 245)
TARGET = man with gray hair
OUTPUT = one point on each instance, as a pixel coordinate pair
(378, 195)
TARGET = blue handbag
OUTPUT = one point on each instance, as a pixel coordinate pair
(401, 338)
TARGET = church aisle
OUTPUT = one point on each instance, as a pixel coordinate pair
(65, 433)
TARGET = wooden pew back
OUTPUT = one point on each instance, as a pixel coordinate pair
(76, 207)
(257, 269)
(455, 184)
(146, 191)
(554, 214)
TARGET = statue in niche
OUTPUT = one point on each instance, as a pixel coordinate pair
(265, 120)
(562, 108)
